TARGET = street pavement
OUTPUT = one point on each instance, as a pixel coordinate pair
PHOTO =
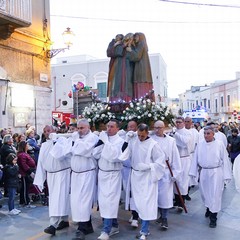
(29, 225)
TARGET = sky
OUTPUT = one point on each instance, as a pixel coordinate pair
(200, 44)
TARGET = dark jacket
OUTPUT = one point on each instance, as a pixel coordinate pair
(4, 151)
(26, 164)
(11, 176)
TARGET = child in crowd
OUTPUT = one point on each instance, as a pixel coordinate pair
(11, 180)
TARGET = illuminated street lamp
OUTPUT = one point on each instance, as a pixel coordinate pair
(67, 38)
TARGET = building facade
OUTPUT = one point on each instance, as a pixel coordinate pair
(25, 91)
(220, 99)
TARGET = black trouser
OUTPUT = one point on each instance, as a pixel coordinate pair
(134, 215)
(178, 201)
(24, 191)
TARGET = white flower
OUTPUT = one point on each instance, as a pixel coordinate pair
(148, 100)
(162, 118)
(103, 115)
(149, 115)
(131, 105)
(138, 117)
(138, 103)
(144, 106)
(88, 113)
(127, 109)
(89, 120)
(138, 108)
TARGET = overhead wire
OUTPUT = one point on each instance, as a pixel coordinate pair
(201, 4)
(162, 21)
(141, 21)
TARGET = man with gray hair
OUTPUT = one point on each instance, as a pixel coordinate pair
(183, 141)
(83, 178)
(54, 166)
(165, 184)
(211, 158)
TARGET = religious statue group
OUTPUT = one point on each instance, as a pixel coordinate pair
(130, 74)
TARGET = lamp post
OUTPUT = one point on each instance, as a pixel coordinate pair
(67, 38)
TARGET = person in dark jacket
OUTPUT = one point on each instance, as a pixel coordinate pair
(233, 144)
(11, 181)
(5, 149)
(27, 168)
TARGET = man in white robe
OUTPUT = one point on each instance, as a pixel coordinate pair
(129, 139)
(194, 141)
(183, 141)
(165, 184)
(211, 158)
(107, 153)
(148, 166)
(83, 178)
(54, 166)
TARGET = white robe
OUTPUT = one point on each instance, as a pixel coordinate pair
(144, 183)
(183, 140)
(194, 142)
(83, 177)
(236, 172)
(212, 158)
(126, 173)
(109, 176)
(57, 173)
(165, 184)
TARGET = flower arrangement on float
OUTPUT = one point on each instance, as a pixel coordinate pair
(147, 111)
(97, 113)
(141, 110)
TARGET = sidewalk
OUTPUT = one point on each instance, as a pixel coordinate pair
(30, 223)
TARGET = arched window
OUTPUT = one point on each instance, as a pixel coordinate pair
(100, 80)
(78, 77)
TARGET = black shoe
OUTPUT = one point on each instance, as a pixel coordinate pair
(79, 235)
(62, 225)
(179, 209)
(0, 205)
(188, 198)
(159, 220)
(50, 230)
(207, 213)
(213, 224)
(164, 224)
(86, 228)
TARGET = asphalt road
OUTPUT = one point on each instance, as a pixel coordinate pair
(30, 223)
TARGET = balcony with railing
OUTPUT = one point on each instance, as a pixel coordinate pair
(14, 14)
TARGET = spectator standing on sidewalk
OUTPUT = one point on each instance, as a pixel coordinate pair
(11, 180)
(27, 168)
